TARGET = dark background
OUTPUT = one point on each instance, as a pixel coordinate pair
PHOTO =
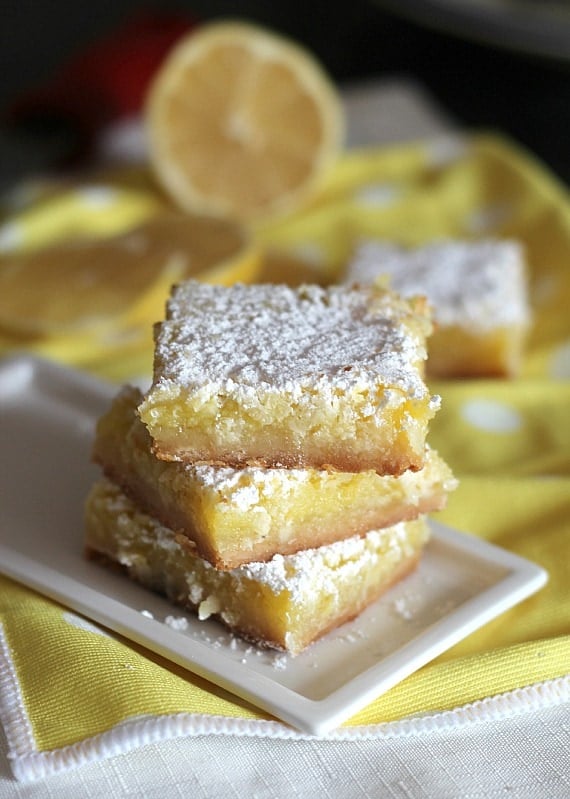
(484, 86)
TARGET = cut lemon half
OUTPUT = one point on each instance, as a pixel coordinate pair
(242, 122)
(88, 283)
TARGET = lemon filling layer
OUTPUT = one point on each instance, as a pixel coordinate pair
(298, 377)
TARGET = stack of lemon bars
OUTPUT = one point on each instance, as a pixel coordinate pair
(276, 474)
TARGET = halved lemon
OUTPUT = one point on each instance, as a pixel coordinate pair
(91, 283)
(242, 122)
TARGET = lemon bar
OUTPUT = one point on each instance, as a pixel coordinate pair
(285, 603)
(479, 293)
(238, 515)
(301, 377)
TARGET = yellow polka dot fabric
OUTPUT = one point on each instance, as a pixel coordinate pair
(507, 441)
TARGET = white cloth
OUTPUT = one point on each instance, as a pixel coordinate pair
(525, 756)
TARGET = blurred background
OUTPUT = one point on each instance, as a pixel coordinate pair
(489, 65)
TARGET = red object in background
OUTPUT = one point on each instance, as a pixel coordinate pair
(106, 81)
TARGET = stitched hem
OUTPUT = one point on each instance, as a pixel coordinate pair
(31, 765)
(13, 714)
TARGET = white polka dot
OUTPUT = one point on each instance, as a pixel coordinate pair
(83, 624)
(11, 237)
(486, 220)
(491, 416)
(377, 194)
(98, 196)
(310, 251)
(560, 363)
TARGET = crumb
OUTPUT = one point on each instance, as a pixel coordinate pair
(177, 622)
(147, 614)
(403, 609)
(279, 662)
(208, 607)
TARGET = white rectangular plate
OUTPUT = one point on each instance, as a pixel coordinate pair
(47, 417)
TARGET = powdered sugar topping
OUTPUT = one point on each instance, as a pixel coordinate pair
(248, 486)
(473, 284)
(251, 337)
(299, 574)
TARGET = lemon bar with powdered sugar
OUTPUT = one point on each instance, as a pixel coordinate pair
(479, 294)
(306, 377)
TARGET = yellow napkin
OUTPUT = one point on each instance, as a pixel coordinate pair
(70, 692)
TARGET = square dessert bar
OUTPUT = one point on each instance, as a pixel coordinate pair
(305, 377)
(285, 603)
(234, 516)
(479, 294)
